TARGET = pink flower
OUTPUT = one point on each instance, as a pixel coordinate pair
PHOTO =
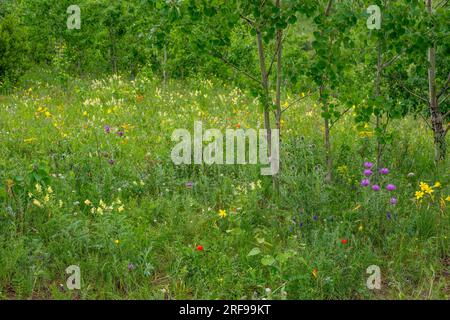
(376, 187)
(368, 172)
(368, 165)
(365, 182)
(390, 187)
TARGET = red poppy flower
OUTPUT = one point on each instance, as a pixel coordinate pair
(344, 241)
(199, 248)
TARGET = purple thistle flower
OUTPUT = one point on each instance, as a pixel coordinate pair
(365, 182)
(376, 187)
(368, 172)
(390, 187)
(393, 201)
(111, 161)
(315, 217)
(107, 129)
(389, 216)
(384, 170)
(120, 133)
(368, 165)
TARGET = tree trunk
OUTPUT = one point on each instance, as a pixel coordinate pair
(279, 48)
(436, 115)
(328, 156)
(327, 141)
(165, 66)
(265, 86)
(377, 94)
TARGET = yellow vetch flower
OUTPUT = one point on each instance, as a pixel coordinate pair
(49, 190)
(87, 202)
(102, 204)
(38, 188)
(46, 198)
(37, 203)
(222, 213)
(120, 209)
(360, 228)
(437, 184)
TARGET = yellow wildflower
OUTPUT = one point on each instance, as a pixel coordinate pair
(38, 188)
(46, 198)
(419, 195)
(117, 241)
(87, 202)
(102, 204)
(37, 203)
(49, 190)
(360, 228)
(120, 209)
(424, 186)
(447, 199)
(437, 184)
(222, 213)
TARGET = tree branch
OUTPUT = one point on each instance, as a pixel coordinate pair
(444, 89)
(235, 67)
(275, 54)
(340, 116)
(411, 92)
(298, 100)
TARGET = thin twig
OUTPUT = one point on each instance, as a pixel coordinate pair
(444, 89)
(340, 116)
(234, 66)
(276, 52)
(298, 100)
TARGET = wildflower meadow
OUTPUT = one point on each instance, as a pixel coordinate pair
(279, 150)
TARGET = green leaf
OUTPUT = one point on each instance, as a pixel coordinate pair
(267, 260)
(255, 251)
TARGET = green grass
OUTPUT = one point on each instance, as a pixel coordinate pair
(163, 222)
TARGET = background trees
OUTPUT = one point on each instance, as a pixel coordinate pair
(272, 48)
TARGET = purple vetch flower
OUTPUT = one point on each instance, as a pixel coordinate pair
(107, 129)
(189, 184)
(368, 165)
(389, 216)
(120, 133)
(384, 170)
(368, 172)
(131, 267)
(393, 201)
(365, 182)
(376, 187)
(315, 217)
(111, 161)
(390, 187)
